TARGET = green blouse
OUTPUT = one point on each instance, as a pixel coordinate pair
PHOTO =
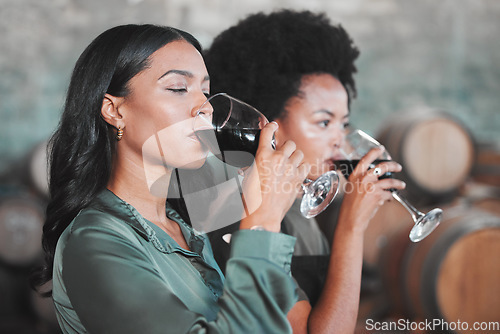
(116, 272)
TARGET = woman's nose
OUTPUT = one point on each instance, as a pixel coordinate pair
(202, 107)
(337, 137)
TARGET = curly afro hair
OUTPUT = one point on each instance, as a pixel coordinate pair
(262, 59)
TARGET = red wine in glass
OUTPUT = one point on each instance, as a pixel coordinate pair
(229, 142)
(356, 144)
(230, 129)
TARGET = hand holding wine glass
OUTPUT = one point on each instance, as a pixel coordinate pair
(364, 192)
(232, 132)
(272, 183)
(355, 146)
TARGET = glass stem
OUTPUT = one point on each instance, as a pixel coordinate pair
(415, 214)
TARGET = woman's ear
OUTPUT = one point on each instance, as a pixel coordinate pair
(110, 111)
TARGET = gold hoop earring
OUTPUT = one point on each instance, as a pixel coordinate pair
(119, 134)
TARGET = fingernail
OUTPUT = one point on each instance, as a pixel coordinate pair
(277, 125)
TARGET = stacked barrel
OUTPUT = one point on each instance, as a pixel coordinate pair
(453, 275)
(23, 196)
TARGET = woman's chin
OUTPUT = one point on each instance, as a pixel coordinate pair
(195, 164)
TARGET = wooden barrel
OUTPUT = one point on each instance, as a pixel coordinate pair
(21, 222)
(452, 275)
(487, 167)
(482, 196)
(38, 172)
(31, 171)
(389, 220)
(436, 151)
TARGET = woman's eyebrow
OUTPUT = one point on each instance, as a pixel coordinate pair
(180, 72)
(324, 111)
(329, 113)
(183, 73)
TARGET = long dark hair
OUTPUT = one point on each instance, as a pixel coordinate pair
(81, 149)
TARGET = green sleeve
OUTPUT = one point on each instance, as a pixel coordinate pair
(114, 287)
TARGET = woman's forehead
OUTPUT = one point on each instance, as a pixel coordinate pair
(177, 55)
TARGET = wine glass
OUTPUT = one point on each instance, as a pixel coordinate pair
(357, 144)
(231, 132)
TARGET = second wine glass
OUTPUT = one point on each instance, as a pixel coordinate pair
(356, 144)
(231, 131)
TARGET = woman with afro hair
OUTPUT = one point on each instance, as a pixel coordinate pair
(297, 69)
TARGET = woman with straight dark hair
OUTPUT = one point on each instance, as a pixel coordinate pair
(118, 263)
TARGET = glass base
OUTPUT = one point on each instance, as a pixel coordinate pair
(319, 194)
(426, 224)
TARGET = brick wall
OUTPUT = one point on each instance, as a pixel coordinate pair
(442, 54)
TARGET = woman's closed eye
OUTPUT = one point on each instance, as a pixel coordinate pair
(178, 90)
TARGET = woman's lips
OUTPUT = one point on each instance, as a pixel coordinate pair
(337, 157)
(331, 160)
(331, 163)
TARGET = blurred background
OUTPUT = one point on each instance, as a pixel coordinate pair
(428, 88)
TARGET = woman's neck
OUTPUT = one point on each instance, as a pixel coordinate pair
(146, 189)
